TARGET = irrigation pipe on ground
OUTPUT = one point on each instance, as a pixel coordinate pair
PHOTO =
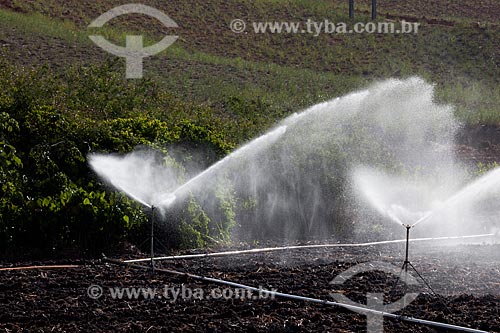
(297, 247)
(299, 298)
(25, 268)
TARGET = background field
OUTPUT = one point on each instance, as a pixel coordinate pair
(457, 48)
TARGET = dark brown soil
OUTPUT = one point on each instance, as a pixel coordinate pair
(479, 144)
(468, 277)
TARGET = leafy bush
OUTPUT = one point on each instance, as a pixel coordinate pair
(51, 202)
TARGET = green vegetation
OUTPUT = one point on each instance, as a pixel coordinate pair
(212, 89)
(51, 122)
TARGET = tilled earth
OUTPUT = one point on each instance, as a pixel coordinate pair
(466, 278)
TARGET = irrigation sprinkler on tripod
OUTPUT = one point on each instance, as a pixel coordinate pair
(407, 263)
(151, 235)
(391, 197)
(152, 243)
(408, 227)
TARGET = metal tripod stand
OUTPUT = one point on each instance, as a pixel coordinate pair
(407, 264)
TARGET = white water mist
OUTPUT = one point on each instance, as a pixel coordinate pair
(316, 174)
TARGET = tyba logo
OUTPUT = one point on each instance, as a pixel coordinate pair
(134, 52)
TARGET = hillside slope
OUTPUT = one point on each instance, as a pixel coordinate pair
(457, 47)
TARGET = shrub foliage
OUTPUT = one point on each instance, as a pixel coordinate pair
(51, 202)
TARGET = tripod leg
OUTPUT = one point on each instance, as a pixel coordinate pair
(439, 297)
(161, 245)
(422, 278)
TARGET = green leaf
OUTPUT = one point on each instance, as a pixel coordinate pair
(17, 161)
(86, 201)
(126, 219)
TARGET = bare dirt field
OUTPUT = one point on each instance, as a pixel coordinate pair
(467, 277)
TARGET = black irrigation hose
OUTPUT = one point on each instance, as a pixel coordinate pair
(296, 297)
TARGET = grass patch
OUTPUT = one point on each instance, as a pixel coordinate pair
(42, 25)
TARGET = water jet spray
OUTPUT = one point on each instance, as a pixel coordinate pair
(317, 130)
(392, 196)
(142, 180)
(166, 199)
